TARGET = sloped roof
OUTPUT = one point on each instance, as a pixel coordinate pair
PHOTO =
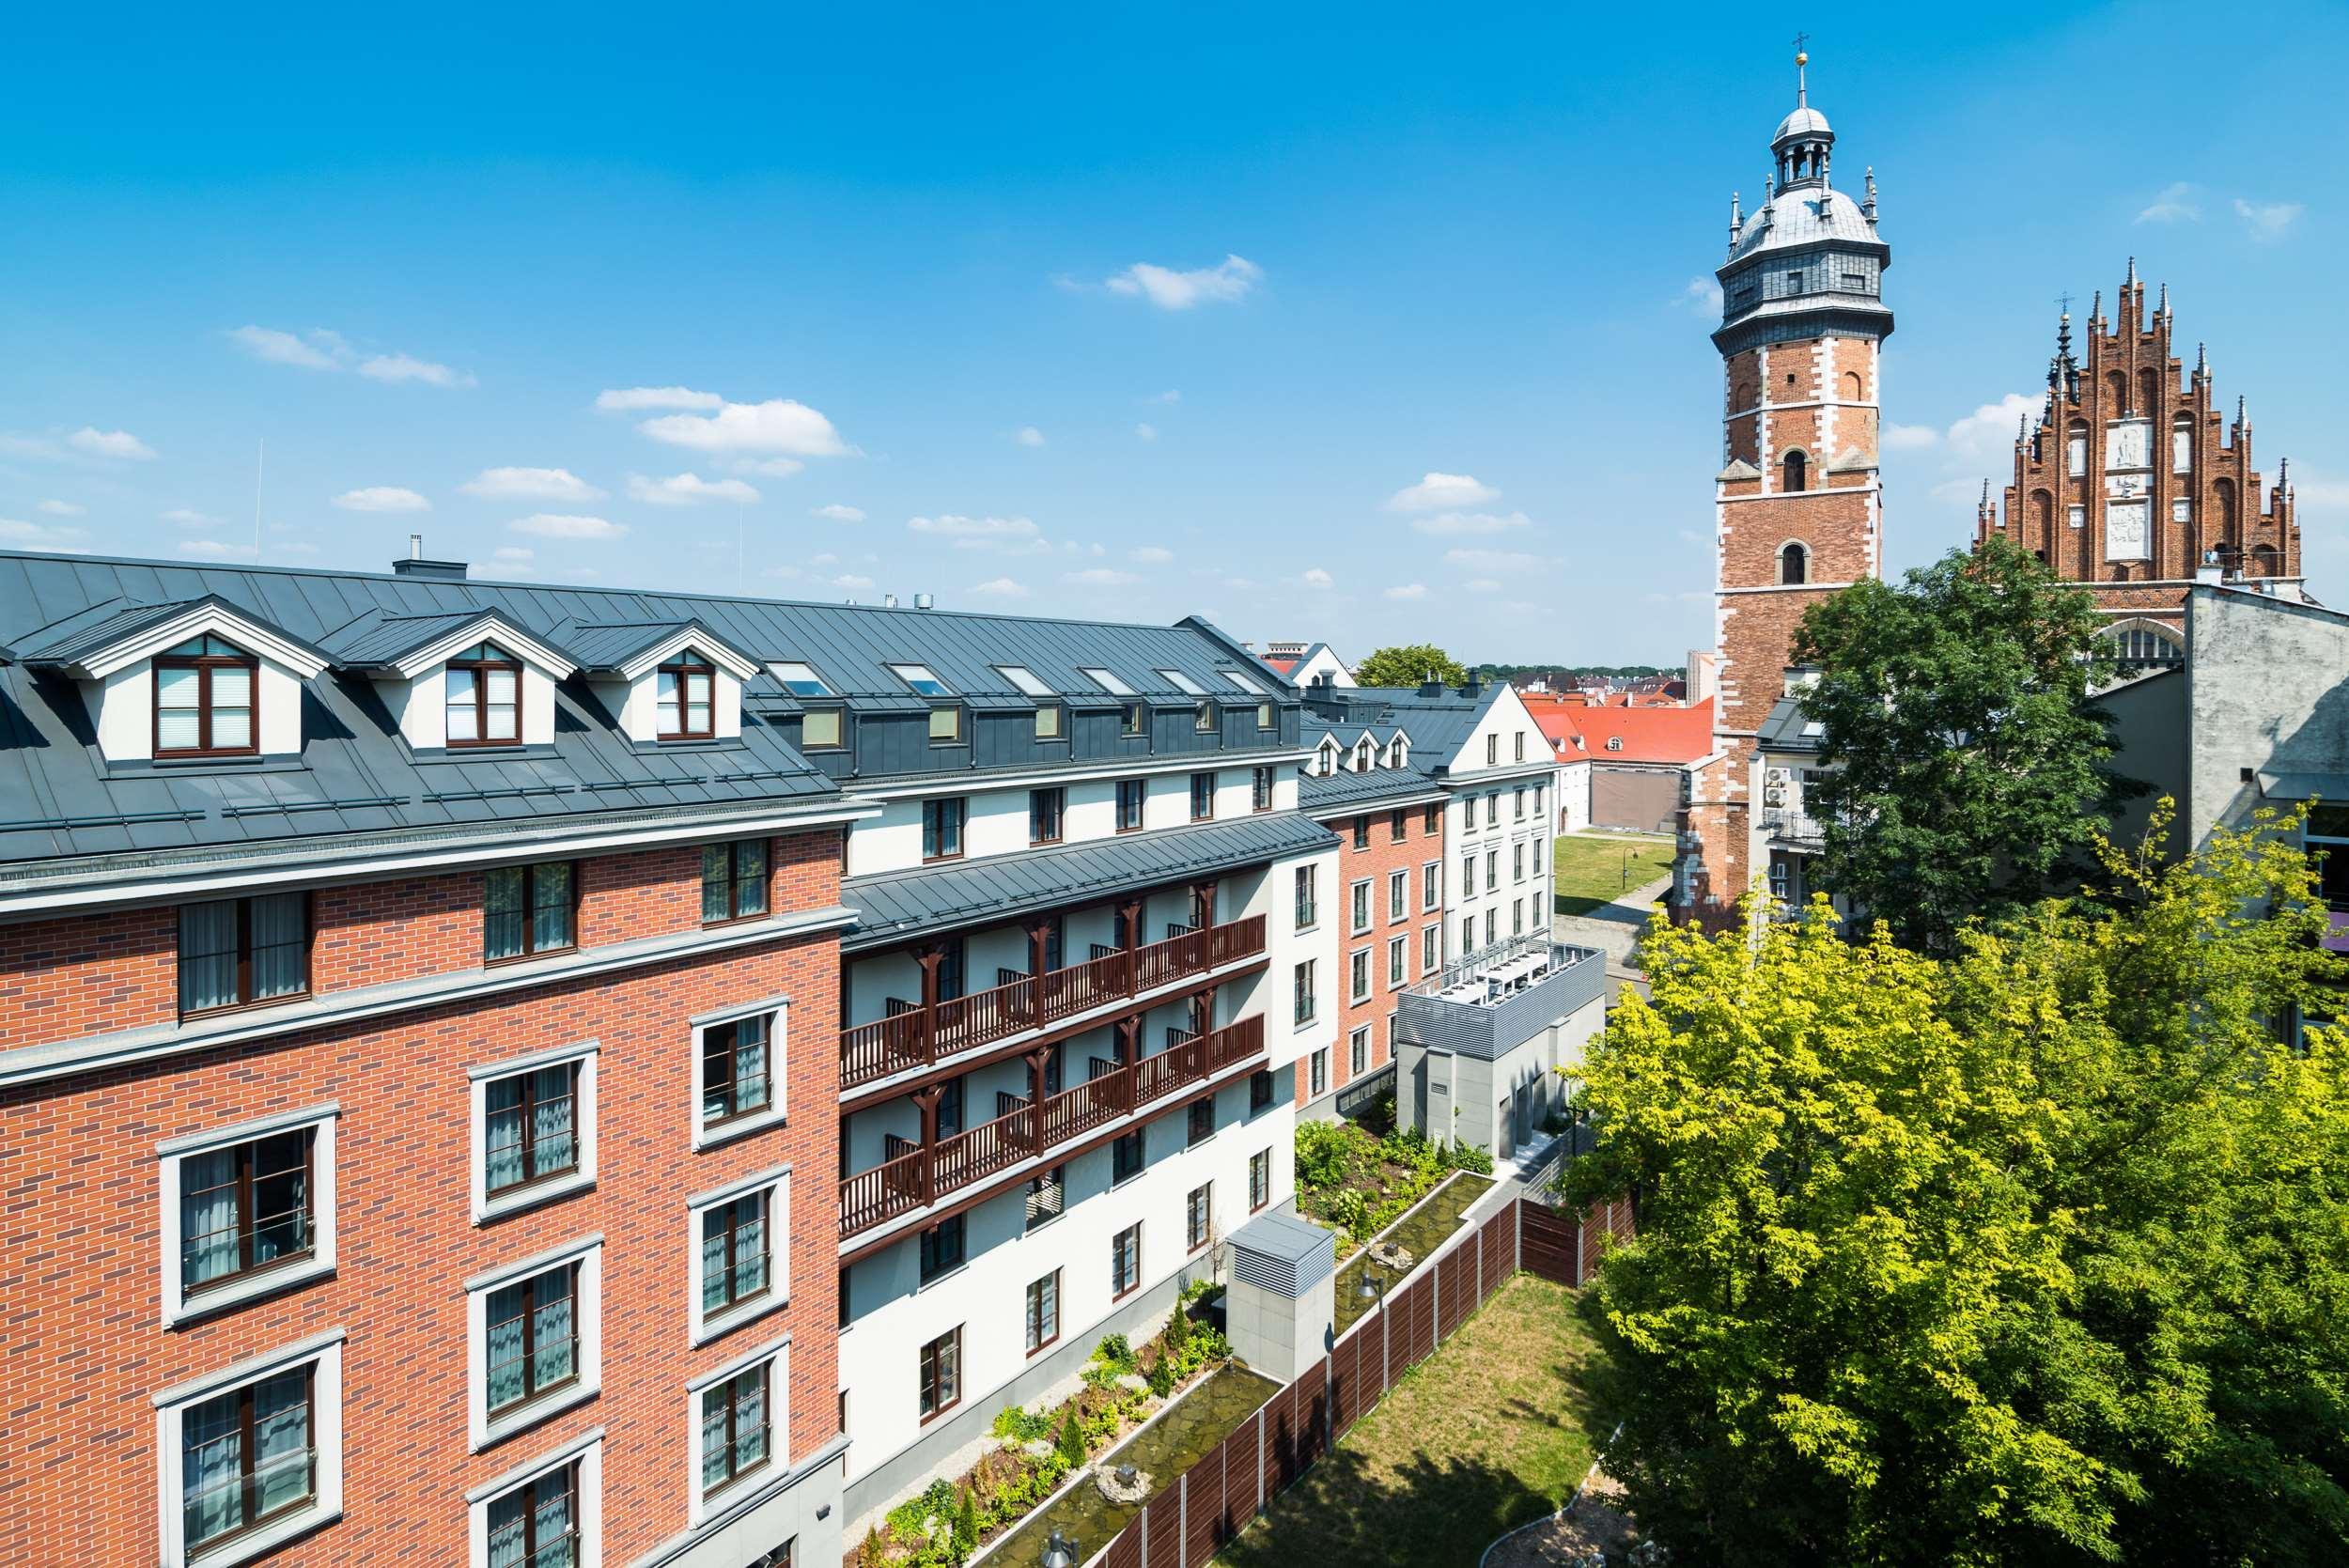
(1649, 733)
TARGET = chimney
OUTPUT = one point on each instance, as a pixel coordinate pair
(889, 601)
(926, 602)
(414, 564)
(1431, 688)
(1471, 686)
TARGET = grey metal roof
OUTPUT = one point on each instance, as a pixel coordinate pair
(376, 639)
(1438, 725)
(78, 636)
(609, 644)
(1284, 1254)
(1807, 215)
(1786, 728)
(1323, 793)
(1804, 122)
(938, 898)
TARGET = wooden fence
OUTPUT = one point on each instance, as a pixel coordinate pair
(1189, 1522)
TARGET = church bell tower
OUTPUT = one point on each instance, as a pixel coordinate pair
(1798, 507)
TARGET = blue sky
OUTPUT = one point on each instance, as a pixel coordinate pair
(1128, 312)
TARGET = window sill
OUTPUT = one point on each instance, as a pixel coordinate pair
(212, 1303)
(523, 1417)
(259, 1542)
(516, 1199)
(715, 1135)
(741, 1315)
(1035, 1350)
(510, 959)
(937, 1279)
(205, 1015)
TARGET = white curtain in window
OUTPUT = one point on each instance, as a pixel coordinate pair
(278, 945)
(207, 1217)
(551, 1121)
(555, 1352)
(551, 921)
(750, 1064)
(176, 726)
(502, 1137)
(557, 1546)
(503, 1350)
(281, 1436)
(750, 1249)
(212, 1475)
(714, 1277)
(207, 956)
(714, 1449)
(232, 706)
(463, 719)
(503, 706)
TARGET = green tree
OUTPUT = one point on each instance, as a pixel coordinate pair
(2036, 1254)
(1407, 665)
(1964, 750)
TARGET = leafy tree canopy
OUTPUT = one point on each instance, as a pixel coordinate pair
(2035, 1255)
(1407, 665)
(1966, 752)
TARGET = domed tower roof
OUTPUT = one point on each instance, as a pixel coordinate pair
(1810, 262)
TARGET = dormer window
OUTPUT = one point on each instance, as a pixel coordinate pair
(204, 700)
(1362, 754)
(684, 695)
(484, 696)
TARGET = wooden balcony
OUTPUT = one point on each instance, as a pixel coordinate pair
(925, 1036)
(920, 1176)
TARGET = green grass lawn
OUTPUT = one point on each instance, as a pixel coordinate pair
(1494, 1430)
(1595, 868)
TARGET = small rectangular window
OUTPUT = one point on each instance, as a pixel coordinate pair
(1519, 738)
(1467, 876)
(942, 1249)
(1126, 1156)
(1199, 1216)
(1318, 1067)
(946, 725)
(736, 1427)
(1492, 808)
(1131, 793)
(1046, 809)
(1517, 803)
(1358, 1051)
(737, 1069)
(1308, 910)
(1430, 948)
(1398, 894)
(1492, 749)
(799, 679)
(1260, 788)
(1431, 884)
(1107, 682)
(528, 909)
(1357, 975)
(1259, 1179)
(1199, 1124)
(733, 881)
(1267, 718)
(1126, 1261)
(248, 1456)
(1133, 720)
(819, 730)
(1202, 797)
(919, 680)
(1043, 1312)
(531, 1126)
(1025, 679)
(237, 952)
(537, 1522)
(1203, 719)
(1397, 950)
(1433, 822)
(1360, 893)
(1361, 833)
(532, 1330)
(1303, 985)
(942, 829)
(245, 1210)
(1047, 721)
(737, 1244)
(1259, 1090)
(940, 1374)
(685, 698)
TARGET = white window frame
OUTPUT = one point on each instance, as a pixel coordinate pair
(485, 1206)
(586, 1303)
(586, 1451)
(1358, 1049)
(1431, 886)
(1360, 912)
(776, 1185)
(1399, 961)
(1431, 953)
(1398, 881)
(699, 1510)
(325, 1351)
(777, 1112)
(1358, 975)
(172, 1152)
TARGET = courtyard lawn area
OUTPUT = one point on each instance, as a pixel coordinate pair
(1493, 1431)
(1597, 868)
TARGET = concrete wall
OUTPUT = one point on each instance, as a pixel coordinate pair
(2265, 689)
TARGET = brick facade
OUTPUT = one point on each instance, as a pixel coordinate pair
(1385, 855)
(80, 1256)
(2071, 503)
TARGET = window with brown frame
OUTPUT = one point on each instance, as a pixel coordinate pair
(1046, 810)
(735, 1423)
(528, 909)
(1398, 826)
(941, 1374)
(1433, 821)
(533, 1345)
(537, 1522)
(240, 952)
(532, 1126)
(735, 1250)
(1202, 797)
(249, 1455)
(1043, 1314)
(1204, 719)
(942, 829)
(685, 698)
(1130, 795)
(482, 692)
(246, 1209)
(1259, 1179)
(1126, 1261)
(207, 700)
(733, 881)
(1260, 789)
(1199, 1216)
(1134, 719)
(736, 1080)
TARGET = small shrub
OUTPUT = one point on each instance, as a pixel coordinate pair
(965, 1521)
(1178, 1329)
(1013, 1424)
(1327, 1154)
(1468, 1157)
(1161, 1376)
(1115, 1350)
(1072, 1442)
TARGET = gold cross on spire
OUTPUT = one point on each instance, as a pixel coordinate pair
(1802, 58)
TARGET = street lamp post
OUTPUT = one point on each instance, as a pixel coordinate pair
(1060, 1551)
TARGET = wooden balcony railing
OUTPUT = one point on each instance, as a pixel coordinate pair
(924, 1036)
(908, 1181)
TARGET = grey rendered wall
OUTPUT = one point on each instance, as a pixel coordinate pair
(2266, 680)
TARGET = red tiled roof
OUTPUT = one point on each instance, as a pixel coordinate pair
(1286, 666)
(1649, 733)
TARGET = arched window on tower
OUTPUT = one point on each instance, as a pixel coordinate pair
(2182, 444)
(1794, 564)
(2140, 645)
(2075, 449)
(2263, 563)
(1797, 471)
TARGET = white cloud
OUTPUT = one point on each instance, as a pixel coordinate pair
(553, 525)
(513, 554)
(1491, 561)
(838, 513)
(1471, 522)
(188, 516)
(41, 535)
(2268, 221)
(1909, 438)
(1407, 591)
(1483, 585)
(1028, 435)
(1442, 492)
(1315, 578)
(272, 346)
(1100, 576)
(953, 526)
(851, 580)
(530, 483)
(1228, 280)
(1146, 431)
(633, 397)
(215, 549)
(825, 558)
(407, 367)
(999, 587)
(382, 498)
(1988, 432)
(1151, 556)
(2179, 203)
(1702, 295)
(110, 444)
(775, 468)
(779, 425)
(1169, 395)
(688, 489)
(60, 509)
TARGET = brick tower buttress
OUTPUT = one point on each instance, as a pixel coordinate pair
(1798, 511)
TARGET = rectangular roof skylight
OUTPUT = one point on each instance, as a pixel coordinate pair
(1108, 682)
(919, 677)
(799, 679)
(1183, 682)
(1026, 679)
(1244, 683)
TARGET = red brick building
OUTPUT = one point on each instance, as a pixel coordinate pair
(2133, 481)
(1798, 502)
